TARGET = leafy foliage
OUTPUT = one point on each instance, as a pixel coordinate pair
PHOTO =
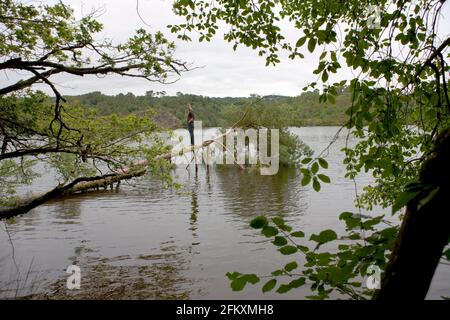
(41, 41)
(303, 110)
(399, 99)
(95, 145)
(395, 108)
(341, 271)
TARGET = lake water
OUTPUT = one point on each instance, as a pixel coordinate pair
(143, 241)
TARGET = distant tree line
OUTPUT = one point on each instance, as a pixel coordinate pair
(303, 110)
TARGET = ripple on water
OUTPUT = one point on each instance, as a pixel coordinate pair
(147, 242)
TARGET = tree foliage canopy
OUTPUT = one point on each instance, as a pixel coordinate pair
(302, 110)
(399, 102)
(42, 41)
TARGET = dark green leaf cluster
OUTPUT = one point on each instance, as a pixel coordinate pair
(341, 271)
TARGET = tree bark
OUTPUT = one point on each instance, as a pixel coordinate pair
(424, 233)
(78, 185)
(94, 183)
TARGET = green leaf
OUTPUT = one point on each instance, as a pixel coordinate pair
(291, 266)
(351, 220)
(269, 285)
(297, 282)
(324, 76)
(324, 237)
(298, 234)
(238, 284)
(306, 160)
(269, 231)
(279, 241)
(345, 215)
(284, 288)
(354, 236)
(314, 168)
(323, 163)
(303, 249)
(324, 178)
(259, 222)
(402, 199)
(286, 228)
(312, 44)
(277, 273)
(252, 278)
(305, 171)
(279, 221)
(287, 250)
(333, 56)
(316, 185)
(232, 275)
(306, 180)
(300, 42)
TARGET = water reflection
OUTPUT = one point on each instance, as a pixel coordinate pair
(144, 241)
(194, 209)
(247, 193)
(143, 276)
(66, 212)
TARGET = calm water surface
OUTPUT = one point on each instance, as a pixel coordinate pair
(146, 242)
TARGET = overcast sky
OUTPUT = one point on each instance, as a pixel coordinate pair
(225, 73)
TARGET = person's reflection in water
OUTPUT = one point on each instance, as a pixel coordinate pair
(194, 210)
(208, 179)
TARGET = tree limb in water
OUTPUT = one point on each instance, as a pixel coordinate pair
(85, 184)
(78, 185)
(94, 183)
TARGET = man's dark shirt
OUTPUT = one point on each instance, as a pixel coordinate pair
(191, 125)
(190, 116)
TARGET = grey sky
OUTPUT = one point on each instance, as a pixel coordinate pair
(225, 73)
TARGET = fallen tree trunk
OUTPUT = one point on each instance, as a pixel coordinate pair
(78, 185)
(171, 155)
(424, 233)
(94, 183)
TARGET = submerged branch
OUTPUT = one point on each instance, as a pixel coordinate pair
(86, 184)
(77, 185)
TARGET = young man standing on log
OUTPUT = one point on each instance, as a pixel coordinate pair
(190, 122)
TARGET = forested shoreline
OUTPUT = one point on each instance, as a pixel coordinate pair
(170, 111)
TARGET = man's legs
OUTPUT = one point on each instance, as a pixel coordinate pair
(191, 132)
